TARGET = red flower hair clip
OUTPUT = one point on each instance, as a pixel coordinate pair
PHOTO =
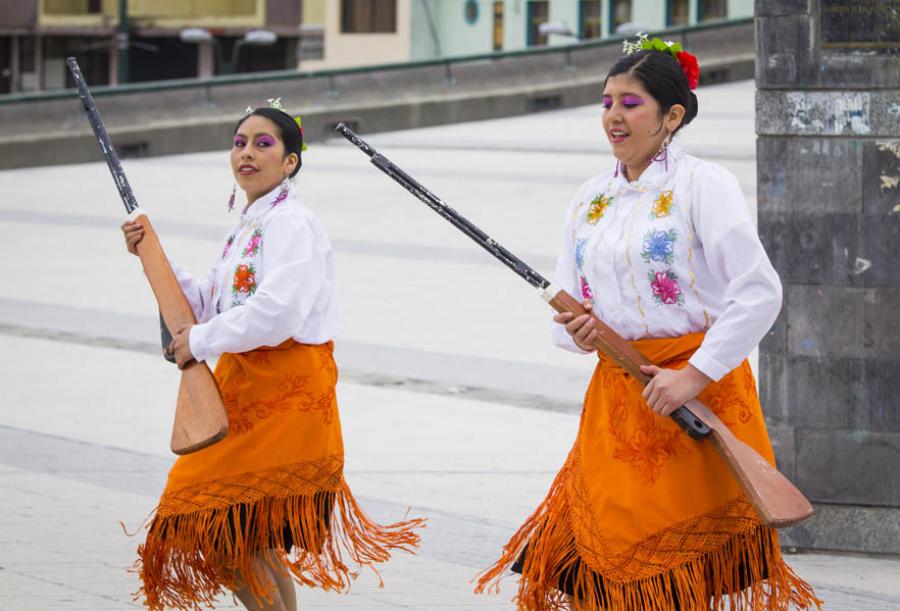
(690, 67)
(688, 61)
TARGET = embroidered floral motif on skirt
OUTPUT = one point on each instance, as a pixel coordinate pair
(642, 518)
(275, 481)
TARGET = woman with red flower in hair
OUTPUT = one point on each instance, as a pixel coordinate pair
(662, 248)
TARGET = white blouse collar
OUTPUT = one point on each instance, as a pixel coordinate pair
(283, 192)
(657, 173)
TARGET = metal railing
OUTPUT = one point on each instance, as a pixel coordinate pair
(682, 34)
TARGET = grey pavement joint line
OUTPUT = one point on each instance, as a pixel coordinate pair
(486, 395)
(475, 378)
(211, 232)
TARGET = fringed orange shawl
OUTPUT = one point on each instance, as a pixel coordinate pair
(280, 468)
(642, 518)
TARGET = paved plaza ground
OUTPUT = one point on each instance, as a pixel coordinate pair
(455, 406)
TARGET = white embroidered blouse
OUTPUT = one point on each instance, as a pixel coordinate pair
(670, 254)
(272, 279)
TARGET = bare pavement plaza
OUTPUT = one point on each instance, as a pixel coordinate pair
(455, 405)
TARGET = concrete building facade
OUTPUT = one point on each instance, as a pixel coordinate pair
(433, 29)
(37, 35)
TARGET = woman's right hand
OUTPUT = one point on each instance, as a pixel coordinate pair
(134, 233)
(581, 327)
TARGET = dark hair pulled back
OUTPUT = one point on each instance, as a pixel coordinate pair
(288, 131)
(662, 77)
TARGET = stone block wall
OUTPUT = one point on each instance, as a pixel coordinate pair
(828, 151)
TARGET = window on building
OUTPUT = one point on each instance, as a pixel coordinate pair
(5, 64)
(589, 19)
(498, 26)
(620, 12)
(677, 12)
(368, 16)
(311, 44)
(538, 13)
(28, 68)
(470, 11)
(94, 7)
(712, 9)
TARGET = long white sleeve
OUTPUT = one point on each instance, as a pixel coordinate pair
(566, 277)
(736, 260)
(196, 293)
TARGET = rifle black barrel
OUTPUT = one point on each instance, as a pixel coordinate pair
(106, 147)
(683, 416)
(435, 203)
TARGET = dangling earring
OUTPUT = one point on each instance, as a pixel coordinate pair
(231, 199)
(282, 195)
(663, 153)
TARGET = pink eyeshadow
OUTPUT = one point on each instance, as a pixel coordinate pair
(632, 100)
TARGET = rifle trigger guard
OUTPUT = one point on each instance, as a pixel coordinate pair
(691, 424)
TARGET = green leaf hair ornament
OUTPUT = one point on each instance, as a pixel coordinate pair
(651, 44)
(688, 61)
(299, 121)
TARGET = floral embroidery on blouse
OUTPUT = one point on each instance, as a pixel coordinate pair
(228, 244)
(244, 281)
(253, 243)
(665, 288)
(659, 246)
(585, 288)
(663, 205)
(580, 245)
(598, 207)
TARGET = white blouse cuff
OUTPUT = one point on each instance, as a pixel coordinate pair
(563, 340)
(198, 343)
(711, 367)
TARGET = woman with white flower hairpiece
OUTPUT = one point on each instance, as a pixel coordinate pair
(268, 504)
(662, 248)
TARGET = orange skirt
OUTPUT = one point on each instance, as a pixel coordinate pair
(641, 517)
(276, 478)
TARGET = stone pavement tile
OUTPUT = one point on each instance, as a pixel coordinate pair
(62, 550)
(415, 582)
(28, 591)
(877, 575)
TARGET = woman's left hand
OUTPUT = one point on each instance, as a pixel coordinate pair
(181, 346)
(669, 389)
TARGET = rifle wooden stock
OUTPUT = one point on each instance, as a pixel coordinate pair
(200, 417)
(778, 502)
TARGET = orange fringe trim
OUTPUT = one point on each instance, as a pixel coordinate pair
(708, 581)
(189, 558)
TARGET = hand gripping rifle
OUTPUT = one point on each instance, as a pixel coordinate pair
(200, 417)
(775, 498)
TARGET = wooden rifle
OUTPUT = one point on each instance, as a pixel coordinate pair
(200, 416)
(778, 502)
